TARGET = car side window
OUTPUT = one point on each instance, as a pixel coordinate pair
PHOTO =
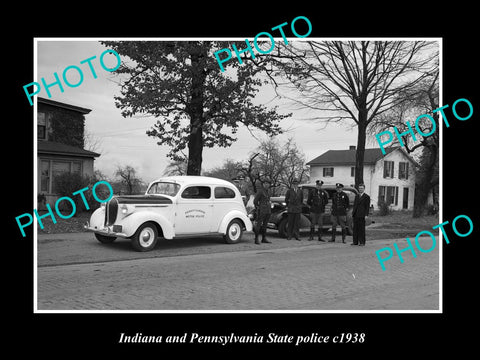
(224, 193)
(197, 192)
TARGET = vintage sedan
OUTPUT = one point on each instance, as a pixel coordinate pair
(278, 219)
(173, 207)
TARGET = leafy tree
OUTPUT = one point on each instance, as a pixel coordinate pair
(196, 104)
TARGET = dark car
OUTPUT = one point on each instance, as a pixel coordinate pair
(278, 219)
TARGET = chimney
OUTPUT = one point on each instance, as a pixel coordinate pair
(352, 147)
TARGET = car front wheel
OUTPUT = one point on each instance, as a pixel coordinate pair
(234, 232)
(145, 238)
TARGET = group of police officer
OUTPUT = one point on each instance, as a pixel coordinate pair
(317, 200)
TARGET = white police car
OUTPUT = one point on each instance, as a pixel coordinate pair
(173, 207)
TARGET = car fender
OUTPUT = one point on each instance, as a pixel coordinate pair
(276, 217)
(132, 222)
(235, 214)
(304, 221)
(97, 218)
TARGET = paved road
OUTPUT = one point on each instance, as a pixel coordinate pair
(287, 275)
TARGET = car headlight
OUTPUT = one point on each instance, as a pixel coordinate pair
(124, 209)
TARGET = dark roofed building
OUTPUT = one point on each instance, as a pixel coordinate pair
(388, 178)
(60, 142)
(55, 148)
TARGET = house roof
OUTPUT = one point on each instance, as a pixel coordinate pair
(347, 157)
(63, 105)
(55, 148)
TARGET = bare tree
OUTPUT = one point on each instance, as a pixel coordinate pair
(176, 167)
(276, 165)
(350, 81)
(128, 178)
(92, 142)
(230, 170)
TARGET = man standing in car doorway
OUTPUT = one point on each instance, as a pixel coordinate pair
(339, 212)
(294, 202)
(361, 207)
(317, 199)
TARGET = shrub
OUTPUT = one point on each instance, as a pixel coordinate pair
(66, 184)
(431, 209)
(383, 208)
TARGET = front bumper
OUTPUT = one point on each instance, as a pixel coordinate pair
(114, 230)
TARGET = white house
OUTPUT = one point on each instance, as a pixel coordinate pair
(389, 177)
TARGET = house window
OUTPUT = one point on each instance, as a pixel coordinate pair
(352, 171)
(76, 167)
(58, 168)
(328, 172)
(388, 194)
(41, 126)
(50, 169)
(388, 167)
(403, 170)
(44, 175)
(405, 198)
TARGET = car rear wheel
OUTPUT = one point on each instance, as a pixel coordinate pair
(234, 232)
(349, 226)
(282, 227)
(145, 238)
(105, 239)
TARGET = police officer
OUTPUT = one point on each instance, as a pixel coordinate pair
(339, 211)
(361, 207)
(317, 199)
(263, 210)
(294, 201)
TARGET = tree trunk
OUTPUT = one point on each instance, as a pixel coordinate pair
(360, 151)
(195, 149)
(195, 141)
(423, 186)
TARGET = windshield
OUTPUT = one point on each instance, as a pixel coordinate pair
(164, 188)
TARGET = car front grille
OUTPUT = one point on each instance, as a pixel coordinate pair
(111, 210)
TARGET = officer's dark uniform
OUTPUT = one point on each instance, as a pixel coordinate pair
(317, 199)
(263, 211)
(340, 205)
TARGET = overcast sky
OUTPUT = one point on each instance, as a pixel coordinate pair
(123, 140)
